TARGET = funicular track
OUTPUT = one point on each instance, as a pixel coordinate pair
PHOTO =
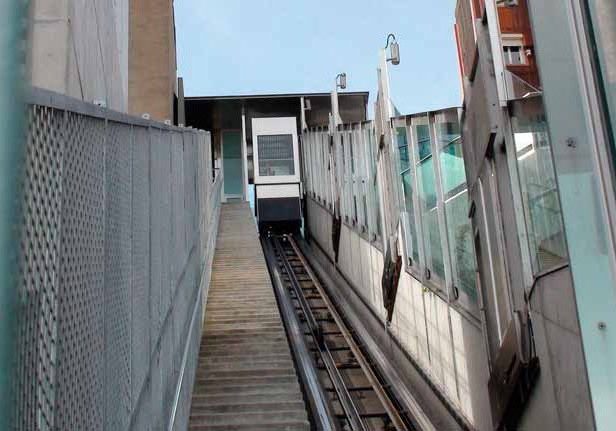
(357, 397)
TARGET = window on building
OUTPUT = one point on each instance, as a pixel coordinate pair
(513, 50)
(540, 198)
(275, 155)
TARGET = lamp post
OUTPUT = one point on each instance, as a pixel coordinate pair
(341, 82)
(390, 197)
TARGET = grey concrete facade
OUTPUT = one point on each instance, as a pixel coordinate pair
(80, 48)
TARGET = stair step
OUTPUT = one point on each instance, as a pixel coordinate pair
(272, 426)
(249, 389)
(259, 418)
(233, 381)
(237, 358)
(234, 399)
(249, 373)
(269, 339)
(244, 348)
(249, 407)
(243, 331)
(245, 364)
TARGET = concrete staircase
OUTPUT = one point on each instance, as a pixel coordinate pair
(246, 379)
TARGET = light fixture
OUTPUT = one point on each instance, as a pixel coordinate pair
(394, 49)
(341, 81)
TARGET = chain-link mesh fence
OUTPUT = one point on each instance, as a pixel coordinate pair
(119, 219)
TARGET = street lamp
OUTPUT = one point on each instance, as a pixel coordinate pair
(394, 49)
(341, 82)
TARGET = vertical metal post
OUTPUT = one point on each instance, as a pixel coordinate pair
(245, 156)
(12, 146)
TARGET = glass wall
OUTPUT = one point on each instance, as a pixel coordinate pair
(603, 17)
(351, 164)
(439, 236)
(426, 181)
(542, 211)
(456, 203)
(428, 161)
(406, 170)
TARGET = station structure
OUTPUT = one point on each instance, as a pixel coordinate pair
(286, 262)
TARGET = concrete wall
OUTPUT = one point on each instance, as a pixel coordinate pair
(446, 343)
(561, 399)
(80, 48)
(152, 61)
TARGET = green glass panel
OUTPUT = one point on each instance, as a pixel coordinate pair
(232, 163)
(424, 149)
(403, 148)
(434, 251)
(447, 132)
(452, 168)
(427, 183)
(460, 234)
(407, 182)
(432, 235)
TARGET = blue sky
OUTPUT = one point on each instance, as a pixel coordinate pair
(289, 46)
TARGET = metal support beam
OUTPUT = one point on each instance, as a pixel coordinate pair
(12, 146)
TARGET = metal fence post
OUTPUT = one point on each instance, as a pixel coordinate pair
(12, 139)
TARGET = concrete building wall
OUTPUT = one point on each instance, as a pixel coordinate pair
(444, 342)
(80, 48)
(152, 60)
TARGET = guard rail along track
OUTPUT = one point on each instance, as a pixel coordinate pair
(354, 396)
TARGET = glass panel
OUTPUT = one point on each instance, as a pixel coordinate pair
(434, 252)
(403, 148)
(460, 234)
(538, 185)
(432, 236)
(407, 182)
(275, 155)
(232, 163)
(427, 183)
(603, 14)
(448, 129)
(422, 131)
(376, 199)
(452, 168)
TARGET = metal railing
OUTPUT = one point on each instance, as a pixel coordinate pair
(117, 234)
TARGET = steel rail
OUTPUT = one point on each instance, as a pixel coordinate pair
(350, 410)
(387, 403)
(321, 409)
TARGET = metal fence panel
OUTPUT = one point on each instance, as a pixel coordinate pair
(117, 240)
(117, 275)
(81, 323)
(140, 250)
